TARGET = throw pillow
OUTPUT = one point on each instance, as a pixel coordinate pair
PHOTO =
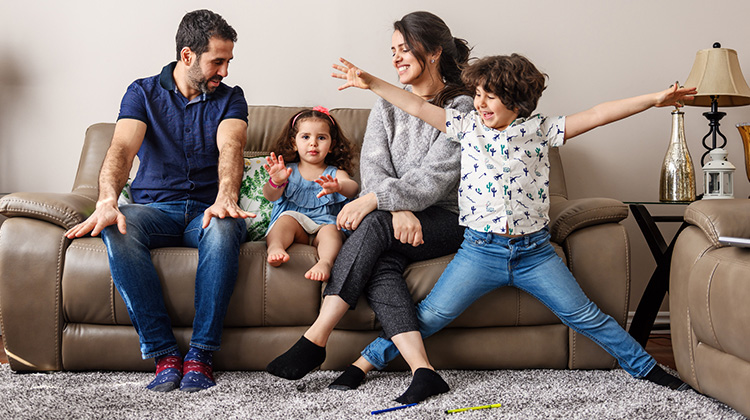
(252, 200)
(125, 197)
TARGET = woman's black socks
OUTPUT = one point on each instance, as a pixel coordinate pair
(298, 361)
(657, 375)
(351, 379)
(424, 384)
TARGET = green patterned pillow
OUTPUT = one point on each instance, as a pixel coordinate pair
(252, 200)
(125, 197)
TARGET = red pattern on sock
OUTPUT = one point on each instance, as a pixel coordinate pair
(200, 367)
(168, 363)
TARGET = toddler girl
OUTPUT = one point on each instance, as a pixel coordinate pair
(308, 193)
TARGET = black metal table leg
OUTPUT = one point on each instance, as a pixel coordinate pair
(658, 285)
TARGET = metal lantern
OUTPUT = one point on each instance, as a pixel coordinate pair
(718, 176)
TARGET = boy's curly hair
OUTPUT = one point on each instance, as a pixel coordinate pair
(341, 155)
(513, 79)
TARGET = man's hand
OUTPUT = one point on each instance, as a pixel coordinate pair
(407, 228)
(224, 208)
(106, 214)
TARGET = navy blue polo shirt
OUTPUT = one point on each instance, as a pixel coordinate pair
(179, 157)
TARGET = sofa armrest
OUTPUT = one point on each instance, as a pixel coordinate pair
(64, 210)
(567, 216)
(720, 218)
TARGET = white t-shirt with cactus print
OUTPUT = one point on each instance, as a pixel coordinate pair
(504, 185)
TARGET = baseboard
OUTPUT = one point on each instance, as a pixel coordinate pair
(661, 324)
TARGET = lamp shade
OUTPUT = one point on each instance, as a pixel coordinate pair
(716, 72)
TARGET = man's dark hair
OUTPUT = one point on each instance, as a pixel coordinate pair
(514, 79)
(198, 27)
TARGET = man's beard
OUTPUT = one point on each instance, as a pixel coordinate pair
(198, 81)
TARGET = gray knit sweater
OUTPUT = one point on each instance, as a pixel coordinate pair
(407, 163)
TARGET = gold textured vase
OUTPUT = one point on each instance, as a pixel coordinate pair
(677, 182)
(745, 134)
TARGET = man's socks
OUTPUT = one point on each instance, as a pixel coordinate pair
(657, 375)
(298, 361)
(168, 372)
(198, 371)
(424, 384)
(350, 379)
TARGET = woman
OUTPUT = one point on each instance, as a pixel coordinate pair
(407, 210)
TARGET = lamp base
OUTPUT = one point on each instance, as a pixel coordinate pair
(713, 116)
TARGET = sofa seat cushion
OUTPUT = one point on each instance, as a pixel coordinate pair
(265, 295)
(262, 295)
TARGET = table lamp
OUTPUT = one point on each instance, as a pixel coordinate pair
(717, 75)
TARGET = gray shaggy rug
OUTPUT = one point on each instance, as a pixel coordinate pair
(524, 394)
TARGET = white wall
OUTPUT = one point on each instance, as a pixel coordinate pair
(65, 65)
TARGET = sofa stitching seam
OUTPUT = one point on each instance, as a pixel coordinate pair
(708, 304)
(572, 332)
(567, 232)
(58, 280)
(691, 349)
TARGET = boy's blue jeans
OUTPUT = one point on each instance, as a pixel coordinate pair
(176, 223)
(486, 262)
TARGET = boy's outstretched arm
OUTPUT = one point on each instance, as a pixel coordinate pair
(407, 101)
(608, 112)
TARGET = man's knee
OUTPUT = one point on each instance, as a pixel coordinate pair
(225, 229)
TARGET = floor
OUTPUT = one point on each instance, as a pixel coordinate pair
(659, 346)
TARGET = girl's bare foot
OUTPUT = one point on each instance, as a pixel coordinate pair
(276, 257)
(321, 271)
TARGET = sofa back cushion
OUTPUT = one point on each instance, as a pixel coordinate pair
(265, 124)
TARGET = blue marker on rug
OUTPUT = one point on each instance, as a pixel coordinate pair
(385, 410)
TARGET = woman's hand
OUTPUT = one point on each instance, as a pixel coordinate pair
(276, 169)
(329, 185)
(407, 228)
(351, 214)
(354, 76)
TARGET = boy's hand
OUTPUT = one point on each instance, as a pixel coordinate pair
(276, 169)
(354, 76)
(675, 96)
(329, 184)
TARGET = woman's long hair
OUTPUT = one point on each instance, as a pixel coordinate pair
(426, 33)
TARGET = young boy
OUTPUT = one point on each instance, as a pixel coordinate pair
(503, 201)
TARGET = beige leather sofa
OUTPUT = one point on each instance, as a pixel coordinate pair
(709, 302)
(60, 310)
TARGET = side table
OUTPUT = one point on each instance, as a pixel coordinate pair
(658, 284)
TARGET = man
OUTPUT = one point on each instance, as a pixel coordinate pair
(188, 129)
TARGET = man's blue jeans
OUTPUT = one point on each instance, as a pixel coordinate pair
(486, 262)
(177, 224)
